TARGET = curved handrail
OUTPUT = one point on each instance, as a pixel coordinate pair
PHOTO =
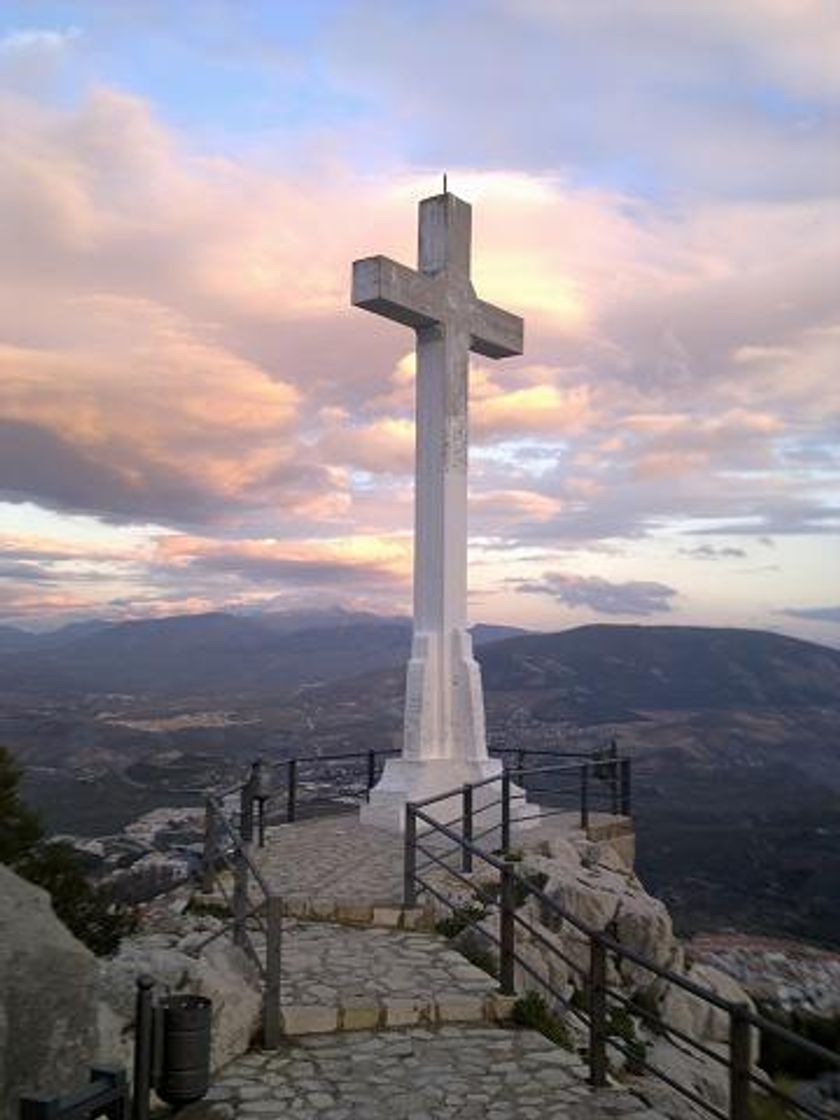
(742, 1017)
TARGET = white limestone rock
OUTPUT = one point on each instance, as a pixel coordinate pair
(222, 972)
(706, 1078)
(702, 1020)
(48, 1015)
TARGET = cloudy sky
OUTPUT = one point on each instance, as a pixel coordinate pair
(192, 416)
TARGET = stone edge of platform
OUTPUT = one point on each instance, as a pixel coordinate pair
(384, 916)
(358, 1014)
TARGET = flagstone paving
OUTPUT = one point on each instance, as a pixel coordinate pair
(389, 1023)
(468, 1072)
(332, 866)
(340, 978)
(334, 858)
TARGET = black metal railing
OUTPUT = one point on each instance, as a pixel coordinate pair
(105, 1095)
(301, 785)
(236, 818)
(251, 901)
(270, 792)
(436, 842)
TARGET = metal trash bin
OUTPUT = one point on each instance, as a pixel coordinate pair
(183, 1034)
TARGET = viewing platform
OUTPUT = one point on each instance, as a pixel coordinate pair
(337, 868)
(499, 963)
(382, 1018)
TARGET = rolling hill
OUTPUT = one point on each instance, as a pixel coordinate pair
(734, 733)
(201, 654)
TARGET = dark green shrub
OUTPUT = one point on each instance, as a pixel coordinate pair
(778, 1056)
(622, 1025)
(460, 918)
(208, 908)
(20, 826)
(482, 958)
(532, 1011)
(89, 912)
(536, 879)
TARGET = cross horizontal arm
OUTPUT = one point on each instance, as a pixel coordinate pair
(397, 292)
(495, 333)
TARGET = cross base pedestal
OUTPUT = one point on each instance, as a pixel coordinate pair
(403, 781)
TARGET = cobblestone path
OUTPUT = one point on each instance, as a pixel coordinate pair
(336, 859)
(472, 1073)
(337, 977)
(323, 960)
(436, 1052)
(342, 863)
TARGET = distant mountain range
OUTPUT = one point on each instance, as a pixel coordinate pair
(735, 734)
(611, 672)
(201, 653)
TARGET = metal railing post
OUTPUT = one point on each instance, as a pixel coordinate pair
(246, 812)
(261, 822)
(520, 764)
(625, 772)
(505, 810)
(613, 778)
(584, 795)
(259, 794)
(39, 1108)
(371, 772)
(739, 1062)
(291, 783)
(597, 1012)
(467, 828)
(143, 1026)
(240, 895)
(410, 857)
(507, 932)
(273, 942)
(105, 1095)
(210, 853)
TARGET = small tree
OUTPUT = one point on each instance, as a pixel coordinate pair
(89, 912)
(20, 826)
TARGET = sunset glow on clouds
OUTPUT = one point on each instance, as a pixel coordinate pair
(192, 416)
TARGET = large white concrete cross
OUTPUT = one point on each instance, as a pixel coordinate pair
(444, 742)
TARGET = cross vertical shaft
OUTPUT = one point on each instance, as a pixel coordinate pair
(440, 553)
(444, 740)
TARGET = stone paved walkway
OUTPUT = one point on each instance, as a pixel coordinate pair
(340, 978)
(336, 859)
(472, 1073)
(336, 867)
(437, 1053)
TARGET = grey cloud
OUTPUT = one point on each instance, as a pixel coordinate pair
(814, 614)
(38, 465)
(23, 572)
(785, 517)
(635, 597)
(267, 569)
(713, 552)
(120, 486)
(631, 94)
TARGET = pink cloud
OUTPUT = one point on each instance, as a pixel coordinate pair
(179, 348)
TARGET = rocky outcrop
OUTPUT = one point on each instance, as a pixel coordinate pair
(786, 975)
(221, 972)
(61, 1008)
(593, 884)
(48, 1004)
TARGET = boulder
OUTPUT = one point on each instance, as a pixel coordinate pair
(48, 1012)
(223, 973)
(708, 1079)
(703, 1021)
